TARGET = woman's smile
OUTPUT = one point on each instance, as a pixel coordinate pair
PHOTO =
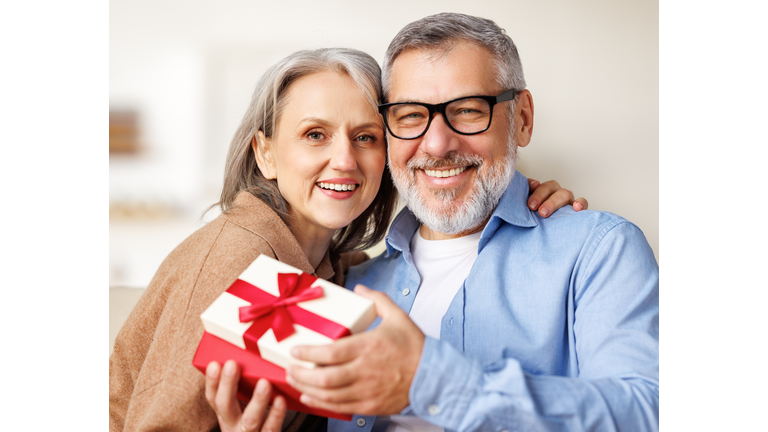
(340, 188)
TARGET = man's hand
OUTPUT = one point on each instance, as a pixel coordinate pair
(366, 373)
(549, 196)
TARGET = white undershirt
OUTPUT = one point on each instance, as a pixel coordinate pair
(443, 266)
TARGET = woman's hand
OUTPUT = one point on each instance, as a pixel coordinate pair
(221, 390)
(549, 196)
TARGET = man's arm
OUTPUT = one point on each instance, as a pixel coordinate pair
(615, 304)
(367, 373)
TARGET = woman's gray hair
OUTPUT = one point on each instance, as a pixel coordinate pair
(263, 114)
(439, 32)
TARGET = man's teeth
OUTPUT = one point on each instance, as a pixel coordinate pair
(445, 173)
(337, 187)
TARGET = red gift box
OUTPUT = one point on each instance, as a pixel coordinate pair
(252, 368)
(269, 309)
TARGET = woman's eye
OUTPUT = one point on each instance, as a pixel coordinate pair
(315, 136)
(366, 138)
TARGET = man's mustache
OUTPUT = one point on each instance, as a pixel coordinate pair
(453, 160)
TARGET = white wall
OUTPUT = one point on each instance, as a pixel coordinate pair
(189, 67)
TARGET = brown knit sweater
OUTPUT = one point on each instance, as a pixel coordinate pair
(152, 383)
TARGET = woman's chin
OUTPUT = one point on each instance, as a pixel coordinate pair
(337, 226)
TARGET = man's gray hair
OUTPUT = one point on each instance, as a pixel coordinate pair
(441, 31)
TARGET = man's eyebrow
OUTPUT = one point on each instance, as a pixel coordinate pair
(392, 100)
(414, 100)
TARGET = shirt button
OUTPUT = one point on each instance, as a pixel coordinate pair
(406, 292)
(361, 422)
(450, 323)
(434, 409)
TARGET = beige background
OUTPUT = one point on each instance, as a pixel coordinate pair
(189, 68)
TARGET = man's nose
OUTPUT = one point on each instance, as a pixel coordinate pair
(343, 155)
(440, 139)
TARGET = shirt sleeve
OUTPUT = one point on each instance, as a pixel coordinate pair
(615, 327)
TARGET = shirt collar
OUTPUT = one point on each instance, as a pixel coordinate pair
(512, 209)
(513, 206)
(401, 231)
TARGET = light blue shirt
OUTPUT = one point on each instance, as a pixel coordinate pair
(555, 328)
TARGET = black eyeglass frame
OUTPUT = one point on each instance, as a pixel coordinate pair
(440, 108)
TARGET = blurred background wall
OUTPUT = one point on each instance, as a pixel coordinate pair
(181, 74)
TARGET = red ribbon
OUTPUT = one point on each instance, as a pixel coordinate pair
(281, 313)
(293, 289)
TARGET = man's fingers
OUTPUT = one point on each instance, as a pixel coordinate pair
(256, 409)
(328, 377)
(364, 407)
(344, 395)
(226, 404)
(384, 305)
(358, 397)
(340, 351)
(368, 372)
(348, 348)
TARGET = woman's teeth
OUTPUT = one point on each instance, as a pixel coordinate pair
(337, 187)
(445, 173)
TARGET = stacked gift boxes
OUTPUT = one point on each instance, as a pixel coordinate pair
(268, 310)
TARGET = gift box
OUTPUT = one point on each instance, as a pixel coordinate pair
(268, 310)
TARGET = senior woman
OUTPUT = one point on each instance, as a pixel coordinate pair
(306, 183)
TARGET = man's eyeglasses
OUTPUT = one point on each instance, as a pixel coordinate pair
(467, 116)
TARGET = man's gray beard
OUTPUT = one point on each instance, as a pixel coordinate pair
(447, 217)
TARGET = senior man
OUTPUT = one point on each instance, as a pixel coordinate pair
(491, 317)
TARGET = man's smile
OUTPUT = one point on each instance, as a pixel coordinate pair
(445, 173)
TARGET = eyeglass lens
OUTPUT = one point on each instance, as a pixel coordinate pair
(468, 115)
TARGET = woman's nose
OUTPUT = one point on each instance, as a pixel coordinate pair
(343, 155)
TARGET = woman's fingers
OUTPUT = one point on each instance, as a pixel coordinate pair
(212, 373)
(255, 411)
(580, 204)
(225, 402)
(549, 196)
(541, 193)
(221, 385)
(276, 415)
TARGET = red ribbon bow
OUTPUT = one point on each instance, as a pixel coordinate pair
(294, 288)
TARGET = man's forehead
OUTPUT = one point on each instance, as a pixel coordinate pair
(457, 70)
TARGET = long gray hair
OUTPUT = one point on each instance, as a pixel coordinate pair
(267, 105)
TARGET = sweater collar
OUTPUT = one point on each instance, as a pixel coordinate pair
(252, 214)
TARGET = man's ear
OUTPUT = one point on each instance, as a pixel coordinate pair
(262, 147)
(524, 118)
